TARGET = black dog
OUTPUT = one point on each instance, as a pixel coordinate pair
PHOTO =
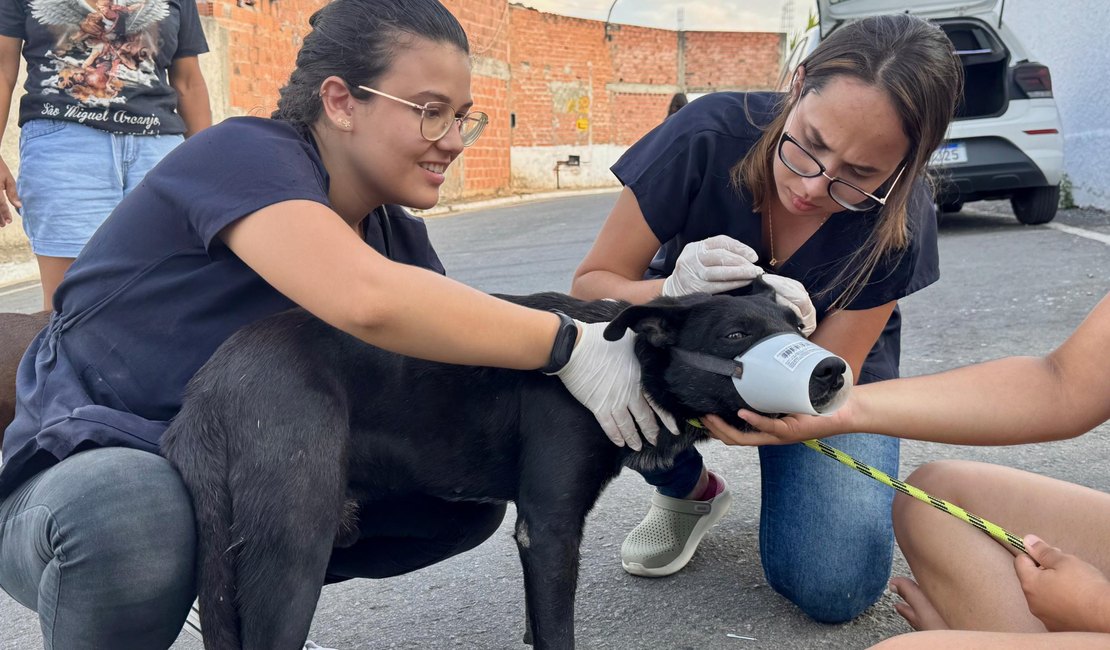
(365, 422)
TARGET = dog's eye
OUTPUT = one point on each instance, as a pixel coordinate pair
(736, 335)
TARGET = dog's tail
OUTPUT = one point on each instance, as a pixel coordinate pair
(203, 465)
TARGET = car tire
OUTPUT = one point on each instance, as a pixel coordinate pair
(1034, 205)
(951, 206)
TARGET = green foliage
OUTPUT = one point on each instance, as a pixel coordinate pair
(1067, 198)
(811, 22)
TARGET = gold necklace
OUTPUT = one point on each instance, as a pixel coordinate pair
(771, 238)
(773, 263)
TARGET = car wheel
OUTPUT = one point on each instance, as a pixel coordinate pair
(952, 206)
(1034, 205)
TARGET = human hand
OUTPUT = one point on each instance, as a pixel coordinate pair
(7, 185)
(605, 377)
(1064, 592)
(711, 266)
(786, 430)
(791, 293)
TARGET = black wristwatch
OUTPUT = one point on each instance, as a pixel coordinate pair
(565, 339)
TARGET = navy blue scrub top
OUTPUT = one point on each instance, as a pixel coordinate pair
(156, 291)
(680, 173)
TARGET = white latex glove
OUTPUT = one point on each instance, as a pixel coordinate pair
(793, 294)
(711, 266)
(605, 377)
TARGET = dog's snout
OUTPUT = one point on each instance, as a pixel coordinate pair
(830, 372)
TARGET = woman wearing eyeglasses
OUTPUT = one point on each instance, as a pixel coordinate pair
(248, 218)
(819, 189)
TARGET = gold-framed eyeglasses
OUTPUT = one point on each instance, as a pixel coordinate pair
(803, 163)
(437, 118)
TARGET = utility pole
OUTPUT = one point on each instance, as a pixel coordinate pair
(787, 17)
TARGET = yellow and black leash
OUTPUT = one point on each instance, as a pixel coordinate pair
(992, 529)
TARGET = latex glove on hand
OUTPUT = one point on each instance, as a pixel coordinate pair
(605, 377)
(792, 294)
(711, 266)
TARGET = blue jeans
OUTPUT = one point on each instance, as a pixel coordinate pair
(102, 547)
(72, 176)
(825, 534)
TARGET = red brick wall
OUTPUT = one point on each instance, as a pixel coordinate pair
(733, 59)
(484, 169)
(627, 76)
(643, 55)
(261, 48)
(565, 79)
(560, 68)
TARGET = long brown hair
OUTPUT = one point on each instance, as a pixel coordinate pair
(915, 63)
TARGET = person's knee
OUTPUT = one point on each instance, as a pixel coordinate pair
(832, 573)
(139, 527)
(840, 595)
(951, 480)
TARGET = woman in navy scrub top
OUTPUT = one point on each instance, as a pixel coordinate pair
(248, 218)
(820, 188)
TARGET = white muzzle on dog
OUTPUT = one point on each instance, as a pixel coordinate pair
(775, 374)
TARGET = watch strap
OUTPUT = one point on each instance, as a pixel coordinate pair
(563, 345)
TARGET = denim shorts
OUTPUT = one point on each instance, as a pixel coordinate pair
(72, 176)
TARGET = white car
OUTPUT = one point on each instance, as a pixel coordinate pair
(1005, 141)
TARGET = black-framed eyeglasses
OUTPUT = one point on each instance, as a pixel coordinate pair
(437, 118)
(804, 164)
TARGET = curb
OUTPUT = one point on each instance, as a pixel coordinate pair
(13, 273)
(501, 201)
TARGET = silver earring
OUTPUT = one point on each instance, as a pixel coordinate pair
(344, 123)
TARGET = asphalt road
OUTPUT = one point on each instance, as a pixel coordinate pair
(1006, 289)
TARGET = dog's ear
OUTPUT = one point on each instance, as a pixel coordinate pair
(658, 324)
(761, 288)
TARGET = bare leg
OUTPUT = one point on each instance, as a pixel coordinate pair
(967, 576)
(51, 271)
(915, 606)
(962, 640)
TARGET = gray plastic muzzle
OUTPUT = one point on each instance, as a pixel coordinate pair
(777, 374)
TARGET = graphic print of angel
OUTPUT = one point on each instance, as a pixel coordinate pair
(101, 48)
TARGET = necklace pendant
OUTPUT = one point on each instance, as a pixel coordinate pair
(773, 263)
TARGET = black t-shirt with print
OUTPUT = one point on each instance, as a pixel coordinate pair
(103, 63)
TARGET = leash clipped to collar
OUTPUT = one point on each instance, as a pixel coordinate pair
(994, 530)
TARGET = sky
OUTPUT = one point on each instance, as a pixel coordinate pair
(705, 15)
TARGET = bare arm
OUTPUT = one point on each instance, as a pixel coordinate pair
(615, 265)
(337, 277)
(1007, 401)
(10, 50)
(192, 94)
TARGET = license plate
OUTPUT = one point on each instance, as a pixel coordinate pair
(949, 153)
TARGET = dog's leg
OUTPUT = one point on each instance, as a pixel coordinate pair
(527, 623)
(268, 482)
(548, 543)
(288, 510)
